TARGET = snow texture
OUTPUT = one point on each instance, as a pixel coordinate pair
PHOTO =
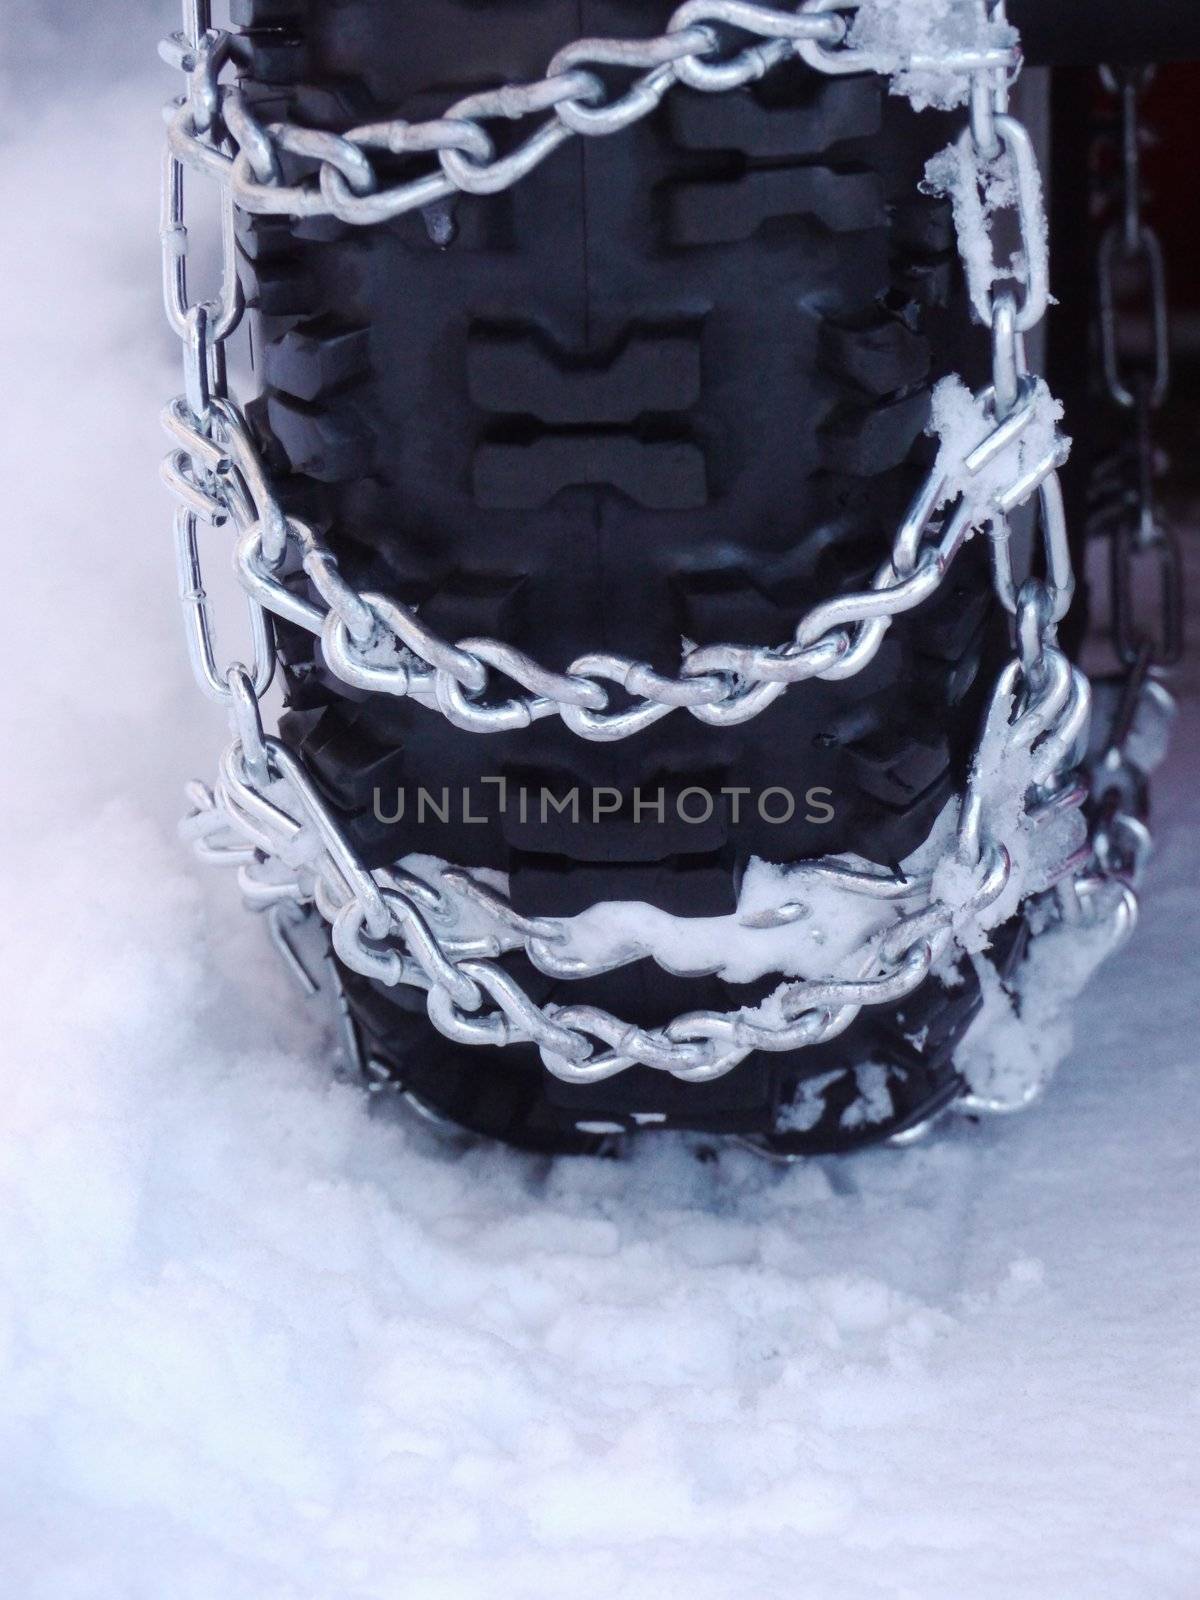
(824, 935)
(960, 422)
(258, 1345)
(978, 191)
(893, 32)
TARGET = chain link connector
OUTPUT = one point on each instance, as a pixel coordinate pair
(1055, 541)
(1030, 264)
(246, 716)
(1147, 256)
(198, 623)
(1131, 636)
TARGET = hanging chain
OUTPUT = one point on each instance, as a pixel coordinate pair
(1145, 567)
(266, 816)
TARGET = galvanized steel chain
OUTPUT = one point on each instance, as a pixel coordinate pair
(267, 818)
(198, 471)
(1145, 565)
(1133, 312)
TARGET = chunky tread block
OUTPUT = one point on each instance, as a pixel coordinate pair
(819, 116)
(861, 444)
(275, 286)
(712, 212)
(882, 356)
(686, 886)
(896, 768)
(660, 475)
(661, 815)
(318, 356)
(515, 372)
(721, 605)
(326, 446)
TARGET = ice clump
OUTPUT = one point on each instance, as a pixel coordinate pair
(896, 31)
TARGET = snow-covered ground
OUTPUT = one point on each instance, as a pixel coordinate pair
(257, 1346)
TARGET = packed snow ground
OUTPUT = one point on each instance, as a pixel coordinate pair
(255, 1345)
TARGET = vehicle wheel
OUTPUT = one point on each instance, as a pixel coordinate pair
(673, 385)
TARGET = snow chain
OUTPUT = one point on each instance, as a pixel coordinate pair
(1124, 513)
(443, 931)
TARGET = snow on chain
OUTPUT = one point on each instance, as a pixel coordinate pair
(897, 31)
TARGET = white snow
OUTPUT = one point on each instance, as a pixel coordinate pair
(255, 1345)
(894, 32)
(960, 422)
(978, 191)
(824, 934)
(1019, 1040)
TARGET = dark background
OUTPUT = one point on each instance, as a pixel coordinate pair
(1173, 174)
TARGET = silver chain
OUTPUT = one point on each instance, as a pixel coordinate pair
(1145, 563)
(266, 816)
(1132, 517)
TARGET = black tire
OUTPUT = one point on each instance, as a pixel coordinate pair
(673, 384)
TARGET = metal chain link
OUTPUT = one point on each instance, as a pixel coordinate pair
(1129, 514)
(1125, 513)
(266, 816)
